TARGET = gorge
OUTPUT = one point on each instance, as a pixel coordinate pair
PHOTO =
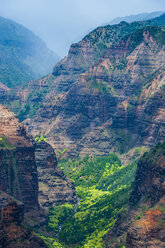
(83, 164)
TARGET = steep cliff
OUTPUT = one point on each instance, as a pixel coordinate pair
(107, 94)
(80, 58)
(54, 187)
(118, 103)
(18, 170)
(13, 233)
(149, 188)
(143, 225)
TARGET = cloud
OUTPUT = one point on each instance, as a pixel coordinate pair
(61, 22)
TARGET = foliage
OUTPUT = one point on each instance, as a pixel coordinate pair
(89, 170)
(103, 185)
(28, 109)
(155, 152)
(124, 139)
(5, 144)
(102, 87)
(103, 37)
(159, 35)
(51, 242)
(60, 153)
(58, 214)
(39, 138)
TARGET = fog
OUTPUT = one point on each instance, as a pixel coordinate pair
(61, 22)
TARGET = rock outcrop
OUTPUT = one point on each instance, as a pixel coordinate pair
(150, 177)
(149, 188)
(18, 184)
(18, 169)
(101, 96)
(13, 233)
(149, 230)
(144, 224)
(54, 187)
(118, 103)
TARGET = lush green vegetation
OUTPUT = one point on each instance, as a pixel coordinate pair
(103, 186)
(28, 109)
(5, 144)
(59, 214)
(88, 171)
(51, 242)
(39, 138)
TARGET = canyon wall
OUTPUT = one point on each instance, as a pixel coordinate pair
(18, 169)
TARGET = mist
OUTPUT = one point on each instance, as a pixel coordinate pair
(62, 22)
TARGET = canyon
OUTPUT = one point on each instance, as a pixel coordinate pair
(110, 106)
(70, 166)
(19, 189)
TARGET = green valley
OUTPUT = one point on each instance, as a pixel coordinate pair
(103, 186)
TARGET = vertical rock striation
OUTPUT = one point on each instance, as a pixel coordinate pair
(144, 224)
(13, 233)
(18, 170)
(149, 187)
(54, 187)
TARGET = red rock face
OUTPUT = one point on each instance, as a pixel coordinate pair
(123, 93)
(18, 170)
(144, 224)
(12, 232)
(148, 231)
(54, 187)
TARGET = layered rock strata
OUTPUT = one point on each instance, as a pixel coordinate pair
(144, 224)
(18, 170)
(118, 103)
(54, 187)
(13, 233)
(149, 186)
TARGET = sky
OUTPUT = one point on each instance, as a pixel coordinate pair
(62, 22)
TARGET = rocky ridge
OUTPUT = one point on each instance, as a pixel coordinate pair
(13, 233)
(101, 96)
(18, 174)
(54, 187)
(20, 200)
(111, 105)
(18, 183)
(143, 225)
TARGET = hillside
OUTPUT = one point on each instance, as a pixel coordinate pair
(23, 55)
(120, 206)
(143, 225)
(30, 183)
(106, 191)
(101, 96)
(18, 183)
(101, 109)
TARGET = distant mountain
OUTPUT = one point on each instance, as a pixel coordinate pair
(23, 55)
(139, 17)
(106, 96)
(107, 93)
